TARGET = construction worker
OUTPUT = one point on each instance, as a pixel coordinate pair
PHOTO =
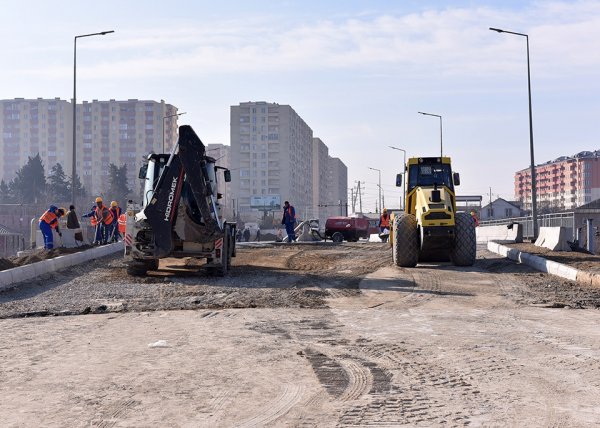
(49, 221)
(102, 218)
(289, 220)
(73, 223)
(115, 210)
(384, 226)
(475, 219)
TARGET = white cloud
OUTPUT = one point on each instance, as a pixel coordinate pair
(453, 42)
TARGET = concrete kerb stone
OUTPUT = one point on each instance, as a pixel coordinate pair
(543, 265)
(10, 277)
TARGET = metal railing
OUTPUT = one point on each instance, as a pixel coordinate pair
(545, 220)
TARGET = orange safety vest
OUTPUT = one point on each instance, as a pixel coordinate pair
(385, 221)
(104, 216)
(122, 223)
(50, 218)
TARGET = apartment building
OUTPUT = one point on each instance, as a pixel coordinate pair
(118, 132)
(32, 126)
(320, 179)
(221, 153)
(271, 151)
(562, 184)
(337, 190)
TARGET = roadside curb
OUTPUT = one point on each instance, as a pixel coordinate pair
(544, 265)
(10, 277)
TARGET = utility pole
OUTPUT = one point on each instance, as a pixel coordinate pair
(359, 198)
(491, 204)
(352, 200)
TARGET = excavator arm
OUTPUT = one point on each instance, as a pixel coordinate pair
(189, 164)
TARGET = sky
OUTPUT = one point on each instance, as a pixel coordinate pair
(356, 71)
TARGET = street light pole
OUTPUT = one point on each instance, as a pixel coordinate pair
(441, 142)
(403, 173)
(378, 170)
(73, 165)
(533, 176)
(166, 117)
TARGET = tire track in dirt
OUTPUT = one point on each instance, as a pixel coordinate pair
(290, 395)
(115, 413)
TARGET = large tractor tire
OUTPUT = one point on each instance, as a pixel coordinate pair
(465, 247)
(137, 268)
(405, 246)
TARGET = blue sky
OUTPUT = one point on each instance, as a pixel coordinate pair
(356, 71)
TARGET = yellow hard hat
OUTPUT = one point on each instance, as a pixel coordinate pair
(385, 210)
(98, 199)
(113, 204)
(62, 211)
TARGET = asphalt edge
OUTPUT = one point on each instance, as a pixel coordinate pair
(10, 277)
(544, 265)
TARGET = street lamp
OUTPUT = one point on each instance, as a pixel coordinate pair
(103, 33)
(403, 171)
(436, 115)
(378, 170)
(166, 117)
(533, 177)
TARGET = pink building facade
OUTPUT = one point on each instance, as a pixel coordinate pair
(562, 184)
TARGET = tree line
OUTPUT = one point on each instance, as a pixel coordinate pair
(31, 185)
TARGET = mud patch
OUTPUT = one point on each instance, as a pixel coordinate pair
(6, 264)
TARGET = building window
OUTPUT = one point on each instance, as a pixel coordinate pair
(490, 212)
(508, 212)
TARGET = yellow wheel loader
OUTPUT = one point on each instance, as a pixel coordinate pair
(430, 229)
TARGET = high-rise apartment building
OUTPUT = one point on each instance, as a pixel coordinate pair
(35, 126)
(562, 184)
(271, 148)
(320, 179)
(118, 132)
(220, 152)
(337, 190)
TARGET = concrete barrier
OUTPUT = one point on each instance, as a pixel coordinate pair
(553, 238)
(503, 233)
(10, 277)
(67, 240)
(536, 262)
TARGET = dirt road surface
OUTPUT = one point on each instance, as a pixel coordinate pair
(301, 336)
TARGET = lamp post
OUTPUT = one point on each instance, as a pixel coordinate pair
(533, 177)
(73, 166)
(436, 115)
(378, 170)
(403, 171)
(166, 117)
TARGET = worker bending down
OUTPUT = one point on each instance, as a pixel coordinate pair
(49, 221)
(100, 217)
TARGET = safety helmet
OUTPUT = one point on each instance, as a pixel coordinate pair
(61, 211)
(98, 199)
(385, 210)
(113, 204)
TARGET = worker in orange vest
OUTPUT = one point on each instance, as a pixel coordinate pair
(115, 210)
(384, 225)
(48, 222)
(103, 218)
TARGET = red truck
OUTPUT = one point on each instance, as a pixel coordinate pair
(350, 229)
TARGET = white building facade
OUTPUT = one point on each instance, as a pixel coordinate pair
(271, 159)
(117, 132)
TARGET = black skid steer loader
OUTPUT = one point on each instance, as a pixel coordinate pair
(180, 215)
